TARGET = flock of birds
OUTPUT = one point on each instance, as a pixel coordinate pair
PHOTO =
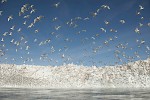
(26, 12)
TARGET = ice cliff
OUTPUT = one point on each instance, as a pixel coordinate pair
(135, 74)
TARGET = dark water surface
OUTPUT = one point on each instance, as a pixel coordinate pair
(73, 94)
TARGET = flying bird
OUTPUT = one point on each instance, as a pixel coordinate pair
(87, 18)
(141, 7)
(106, 22)
(137, 30)
(3, 1)
(5, 33)
(103, 30)
(32, 11)
(19, 30)
(1, 13)
(54, 19)
(94, 14)
(10, 18)
(25, 22)
(56, 4)
(122, 21)
(105, 7)
(148, 24)
(57, 27)
(36, 31)
(2, 40)
(12, 41)
(12, 28)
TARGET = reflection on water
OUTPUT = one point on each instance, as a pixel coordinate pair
(73, 94)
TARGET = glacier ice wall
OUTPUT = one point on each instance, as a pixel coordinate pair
(135, 74)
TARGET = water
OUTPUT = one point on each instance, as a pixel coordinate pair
(73, 94)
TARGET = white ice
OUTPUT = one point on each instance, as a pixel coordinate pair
(132, 75)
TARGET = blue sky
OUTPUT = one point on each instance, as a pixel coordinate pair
(80, 41)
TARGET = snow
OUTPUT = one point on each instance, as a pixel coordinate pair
(131, 75)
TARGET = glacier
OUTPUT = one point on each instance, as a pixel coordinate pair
(132, 75)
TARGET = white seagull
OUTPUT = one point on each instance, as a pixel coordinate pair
(1, 13)
(137, 30)
(32, 11)
(36, 31)
(3, 1)
(12, 28)
(122, 21)
(27, 47)
(57, 4)
(105, 7)
(2, 40)
(94, 14)
(12, 41)
(141, 7)
(19, 30)
(148, 24)
(106, 22)
(103, 30)
(10, 18)
(5, 33)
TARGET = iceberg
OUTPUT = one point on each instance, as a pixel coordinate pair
(132, 75)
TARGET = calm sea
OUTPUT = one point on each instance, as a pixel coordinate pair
(73, 94)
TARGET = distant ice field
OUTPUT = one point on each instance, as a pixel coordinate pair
(135, 74)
